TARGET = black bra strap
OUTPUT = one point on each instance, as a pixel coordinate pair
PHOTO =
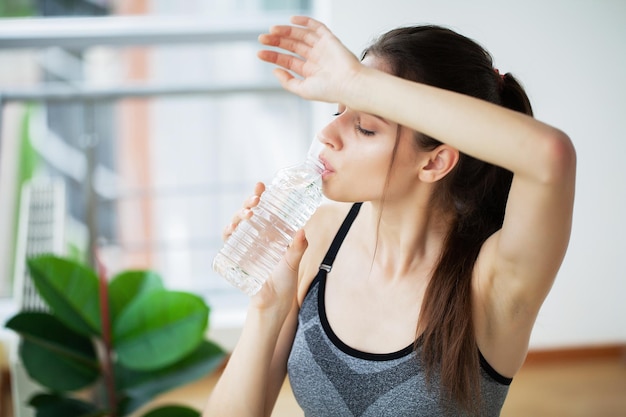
(327, 263)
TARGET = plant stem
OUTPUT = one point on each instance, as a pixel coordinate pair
(107, 365)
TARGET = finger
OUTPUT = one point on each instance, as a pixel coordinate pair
(252, 201)
(228, 230)
(302, 34)
(243, 213)
(285, 78)
(259, 188)
(310, 23)
(306, 21)
(267, 56)
(301, 20)
(294, 253)
(288, 44)
(269, 40)
(286, 61)
(291, 63)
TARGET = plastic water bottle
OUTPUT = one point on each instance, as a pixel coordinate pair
(250, 254)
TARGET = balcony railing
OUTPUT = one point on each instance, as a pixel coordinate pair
(83, 33)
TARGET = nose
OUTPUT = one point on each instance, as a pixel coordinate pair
(330, 135)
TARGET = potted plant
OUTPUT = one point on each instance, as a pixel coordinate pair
(106, 348)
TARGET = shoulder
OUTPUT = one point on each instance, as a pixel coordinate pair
(320, 231)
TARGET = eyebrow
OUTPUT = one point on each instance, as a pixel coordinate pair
(382, 119)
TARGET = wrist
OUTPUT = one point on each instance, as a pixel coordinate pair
(357, 90)
(266, 323)
(275, 311)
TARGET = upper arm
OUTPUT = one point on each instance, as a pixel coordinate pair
(518, 264)
(531, 244)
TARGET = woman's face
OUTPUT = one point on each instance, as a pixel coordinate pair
(358, 153)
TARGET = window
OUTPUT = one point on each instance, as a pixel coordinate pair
(157, 143)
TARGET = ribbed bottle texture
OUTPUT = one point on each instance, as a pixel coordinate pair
(250, 254)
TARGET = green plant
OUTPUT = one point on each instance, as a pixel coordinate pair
(107, 348)
(17, 8)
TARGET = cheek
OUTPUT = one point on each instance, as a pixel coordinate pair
(360, 179)
(404, 174)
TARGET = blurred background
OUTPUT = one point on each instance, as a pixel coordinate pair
(133, 130)
(148, 122)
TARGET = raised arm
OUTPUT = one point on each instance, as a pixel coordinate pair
(327, 71)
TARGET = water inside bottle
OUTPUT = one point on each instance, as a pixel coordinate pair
(257, 245)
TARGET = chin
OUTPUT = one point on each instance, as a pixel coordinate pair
(339, 197)
(343, 194)
(331, 193)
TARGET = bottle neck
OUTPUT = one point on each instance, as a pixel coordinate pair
(313, 155)
(313, 162)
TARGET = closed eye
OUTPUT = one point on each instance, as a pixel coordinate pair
(364, 132)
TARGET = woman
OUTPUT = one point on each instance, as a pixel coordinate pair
(416, 290)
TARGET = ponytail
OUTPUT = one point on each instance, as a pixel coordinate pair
(513, 96)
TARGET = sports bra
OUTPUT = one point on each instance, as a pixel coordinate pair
(329, 378)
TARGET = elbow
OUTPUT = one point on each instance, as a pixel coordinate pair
(559, 157)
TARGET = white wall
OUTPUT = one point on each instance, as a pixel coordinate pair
(570, 56)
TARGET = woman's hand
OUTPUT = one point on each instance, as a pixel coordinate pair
(280, 289)
(322, 63)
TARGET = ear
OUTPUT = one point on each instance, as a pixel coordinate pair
(439, 162)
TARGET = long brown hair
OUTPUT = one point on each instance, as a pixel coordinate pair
(475, 191)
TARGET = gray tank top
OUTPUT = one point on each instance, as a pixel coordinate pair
(329, 378)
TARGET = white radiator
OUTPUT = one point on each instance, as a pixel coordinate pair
(40, 230)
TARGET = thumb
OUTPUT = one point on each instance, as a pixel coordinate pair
(296, 250)
(284, 77)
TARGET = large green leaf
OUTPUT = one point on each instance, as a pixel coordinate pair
(127, 286)
(159, 328)
(141, 387)
(53, 354)
(54, 405)
(173, 411)
(70, 289)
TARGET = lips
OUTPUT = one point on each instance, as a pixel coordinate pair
(328, 168)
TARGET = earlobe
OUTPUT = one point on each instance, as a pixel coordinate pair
(440, 162)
